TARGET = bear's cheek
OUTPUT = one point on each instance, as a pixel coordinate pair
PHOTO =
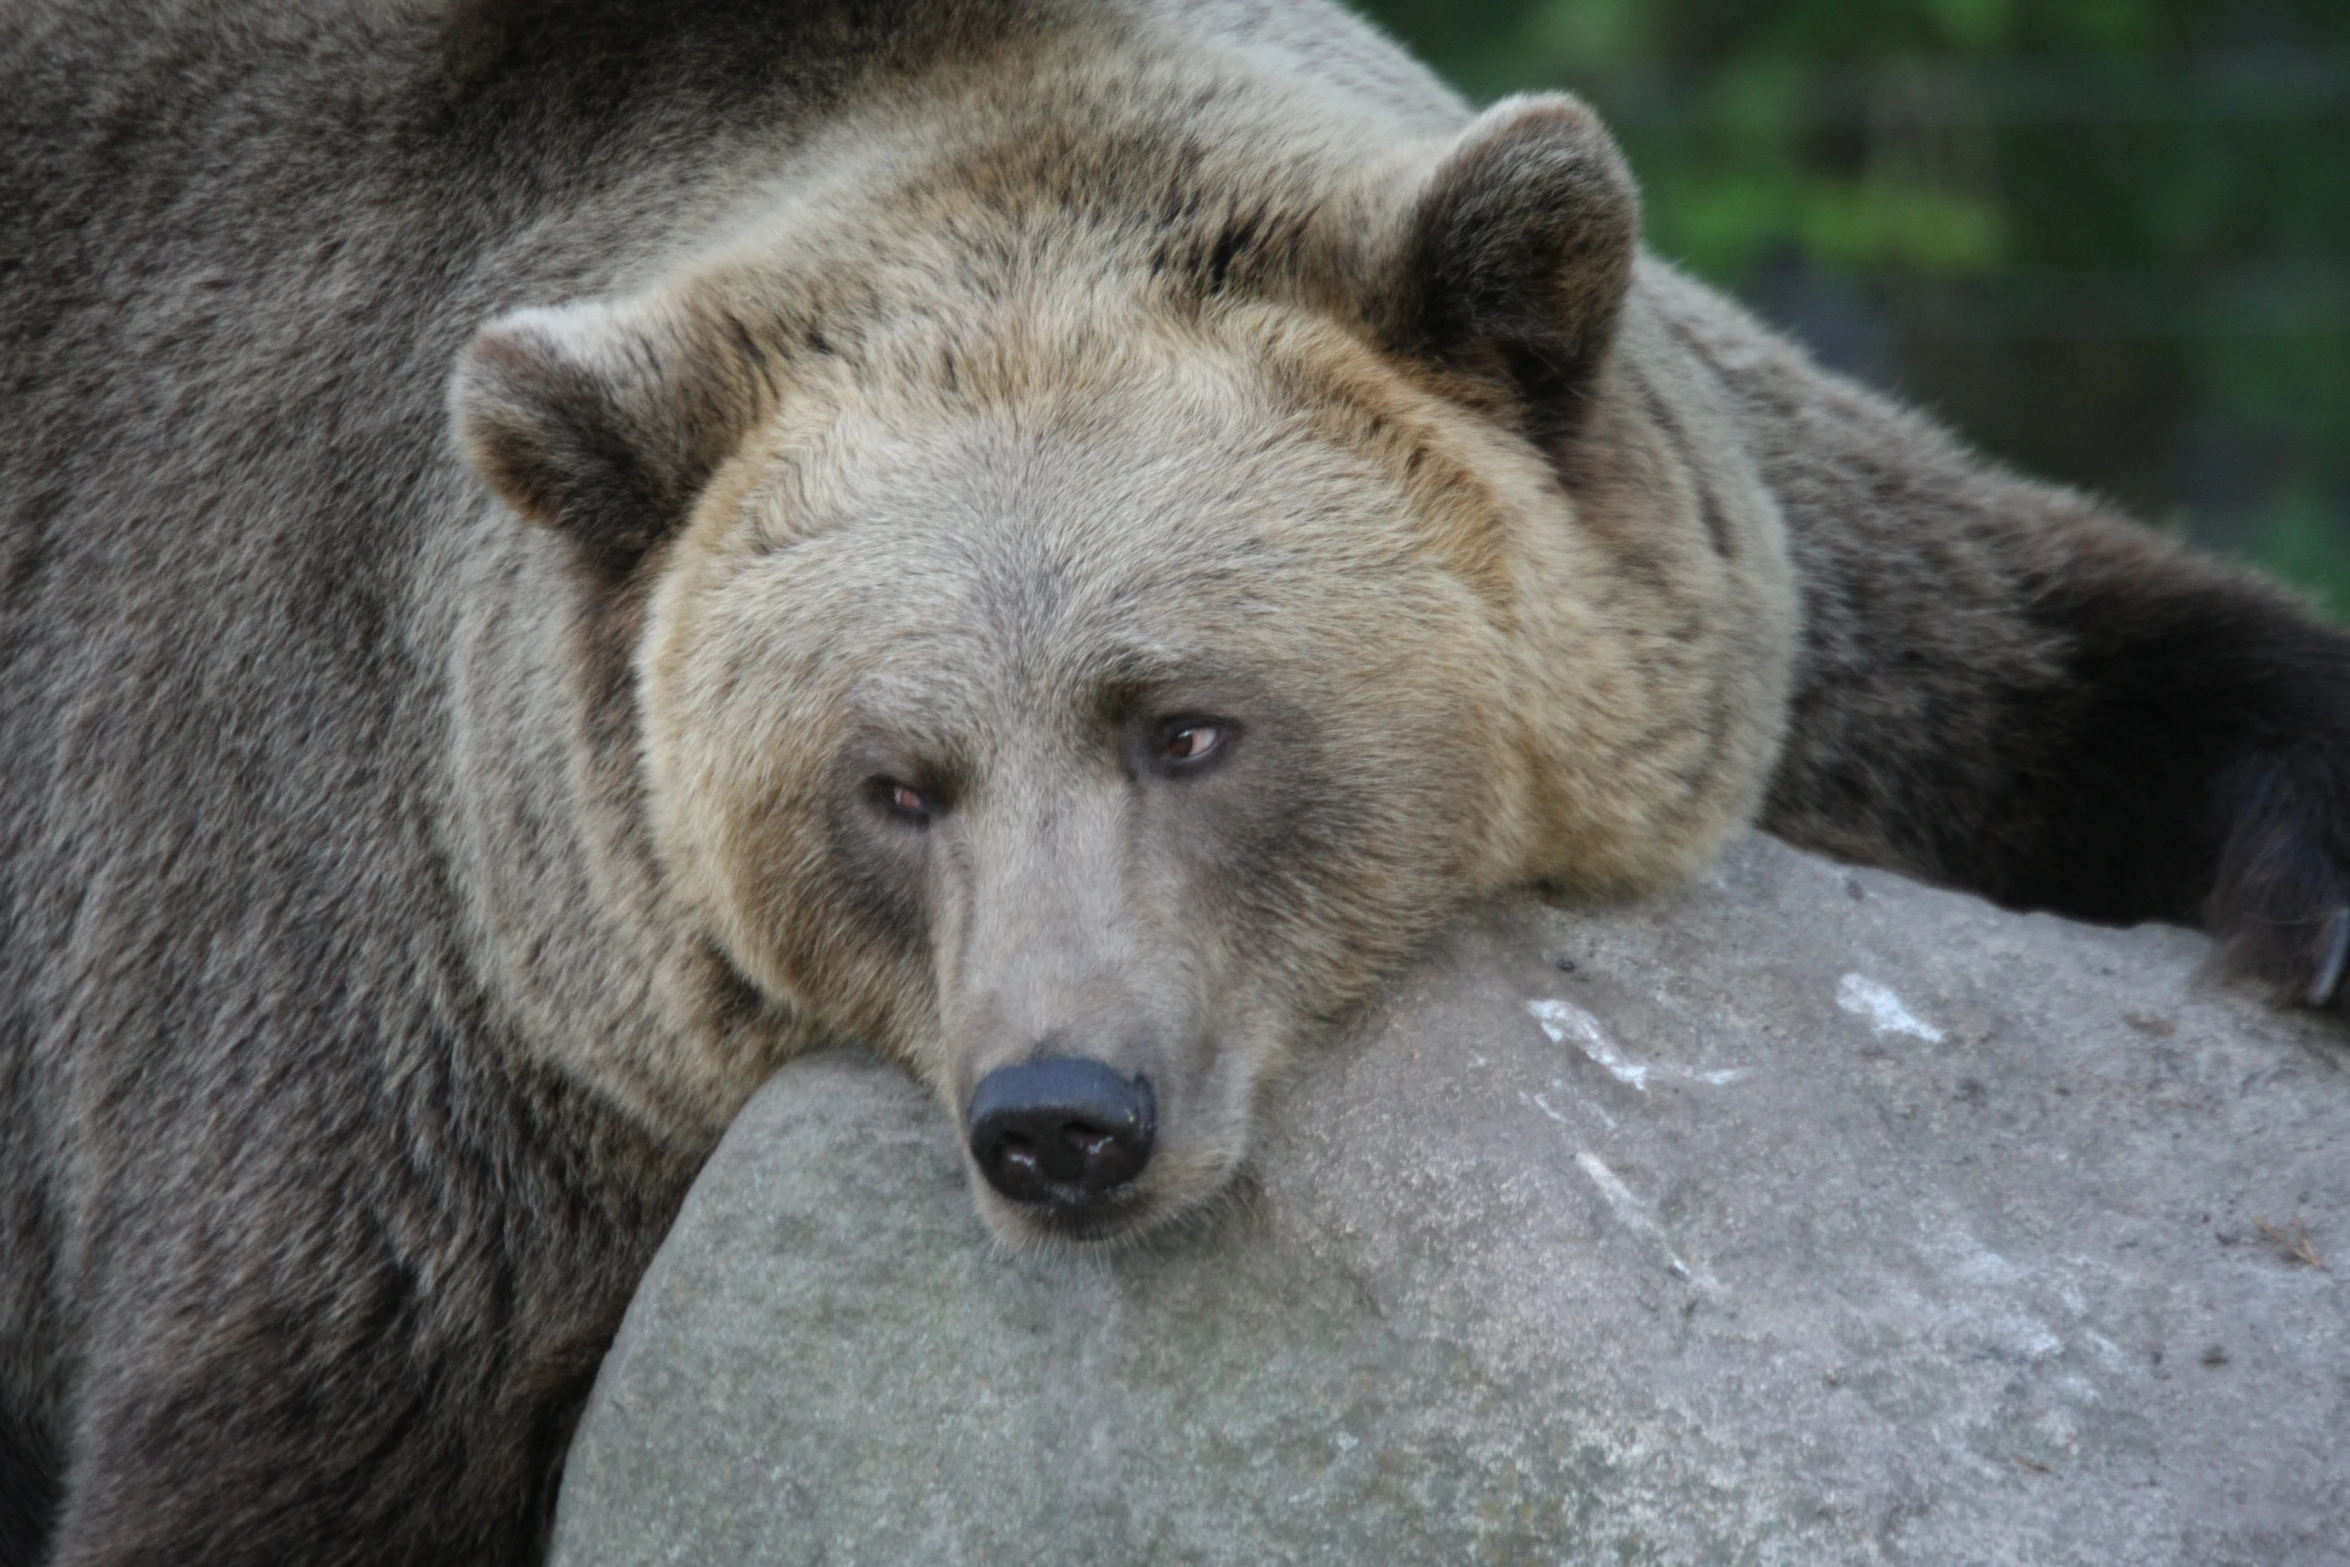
(842, 922)
(762, 846)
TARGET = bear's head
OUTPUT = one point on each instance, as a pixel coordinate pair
(1081, 653)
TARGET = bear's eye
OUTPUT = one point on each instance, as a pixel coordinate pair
(902, 801)
(1185, 742)
(1191, 742)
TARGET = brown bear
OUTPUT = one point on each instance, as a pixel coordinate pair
(553, 555)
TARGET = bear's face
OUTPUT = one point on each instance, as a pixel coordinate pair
(1079, 659)
(1117, 703)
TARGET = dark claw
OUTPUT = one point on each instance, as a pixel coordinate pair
(2280, 903)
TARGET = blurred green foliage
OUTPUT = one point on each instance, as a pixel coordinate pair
(2110, 239)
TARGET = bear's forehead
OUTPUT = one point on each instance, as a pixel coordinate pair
(1145, 507)
(949, 599)
(1098, 496)
(1009, 589)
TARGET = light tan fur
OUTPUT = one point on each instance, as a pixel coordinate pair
(1585, 690)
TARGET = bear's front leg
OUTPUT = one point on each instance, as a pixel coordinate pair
(2005, 687)
(2005, 690)
(2061, 711)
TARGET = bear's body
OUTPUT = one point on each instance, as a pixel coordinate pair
(1064, 523)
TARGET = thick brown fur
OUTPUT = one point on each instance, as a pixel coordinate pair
(502, 498)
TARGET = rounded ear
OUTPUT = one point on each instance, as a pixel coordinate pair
(604, 419)
(1513, 260)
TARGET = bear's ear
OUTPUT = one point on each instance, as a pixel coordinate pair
(604, 420)
(1512, 259)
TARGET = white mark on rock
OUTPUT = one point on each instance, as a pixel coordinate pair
(1345, 1441)
(2025, 1336)
(2112, 1354)
(1564, 1021)
(1628, 1209)
(1542, 1103)
(1960, 1256)
(1618, 1195)
(1987, 1267)
(1864, 997)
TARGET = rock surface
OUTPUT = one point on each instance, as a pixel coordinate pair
(1812, 1217)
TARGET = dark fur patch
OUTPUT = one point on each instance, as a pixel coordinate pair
(1237, 237)
(28, 1492)
(557, 445)
(1517, 258)
(1210, 250)
(576, 66)
(611, 442)
(1709, 504)
(875, 869)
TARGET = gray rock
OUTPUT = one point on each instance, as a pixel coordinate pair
(1813, 1217)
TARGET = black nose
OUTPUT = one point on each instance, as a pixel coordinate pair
(1063, 1129)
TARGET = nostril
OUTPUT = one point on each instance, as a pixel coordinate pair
(1063, 1129)
(1018, 1152)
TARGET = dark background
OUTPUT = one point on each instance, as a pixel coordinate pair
(2108, 239)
